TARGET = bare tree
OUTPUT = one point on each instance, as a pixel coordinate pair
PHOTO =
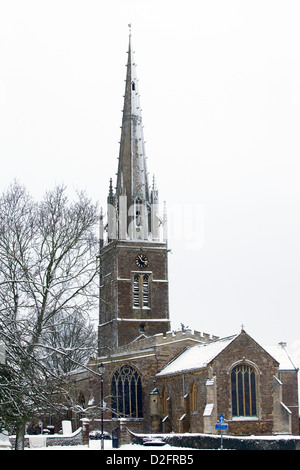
(72, 341)
(48, 271)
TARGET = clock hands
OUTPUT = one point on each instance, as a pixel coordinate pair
(141, 260)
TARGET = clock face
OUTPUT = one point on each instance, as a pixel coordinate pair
(141, 261)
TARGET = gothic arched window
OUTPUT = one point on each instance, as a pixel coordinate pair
(126, 393)
(194, 399)
(243, 391)
(164, 398)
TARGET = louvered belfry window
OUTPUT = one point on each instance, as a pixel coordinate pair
(136, 290)
(141, 297)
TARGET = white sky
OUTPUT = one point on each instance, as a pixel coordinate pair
(220, 92)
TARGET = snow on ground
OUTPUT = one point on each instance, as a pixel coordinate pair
(96, 445)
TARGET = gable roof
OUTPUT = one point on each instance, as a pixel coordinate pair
(279, 352)
(199, 356)
(196, 357)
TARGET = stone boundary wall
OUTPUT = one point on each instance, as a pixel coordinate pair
(213, 441)
(73, 439)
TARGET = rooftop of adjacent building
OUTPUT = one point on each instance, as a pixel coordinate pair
(200, 356)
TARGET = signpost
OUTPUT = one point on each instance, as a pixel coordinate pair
(221, 426)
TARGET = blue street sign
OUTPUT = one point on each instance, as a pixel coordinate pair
(221, 426)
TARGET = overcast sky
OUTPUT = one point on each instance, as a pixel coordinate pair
(220, 93)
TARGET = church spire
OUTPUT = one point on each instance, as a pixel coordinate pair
(132, 177)
(133, 210)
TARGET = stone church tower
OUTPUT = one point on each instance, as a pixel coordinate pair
(153, 379)
(133, 252)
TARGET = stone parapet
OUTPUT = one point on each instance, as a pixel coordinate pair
(189, 336)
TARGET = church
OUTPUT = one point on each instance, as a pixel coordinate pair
(152, 378)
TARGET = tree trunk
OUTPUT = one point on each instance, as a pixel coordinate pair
(20, 436)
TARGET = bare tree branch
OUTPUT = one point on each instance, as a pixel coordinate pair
(48, 290)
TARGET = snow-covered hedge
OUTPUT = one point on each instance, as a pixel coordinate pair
(212, 441)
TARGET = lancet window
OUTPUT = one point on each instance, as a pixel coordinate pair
(194, 399)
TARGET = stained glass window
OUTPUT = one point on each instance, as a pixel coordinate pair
(243, 391)
(126, 392)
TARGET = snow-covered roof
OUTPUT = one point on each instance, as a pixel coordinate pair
(279, 352)
(196, 357)
(199, 356)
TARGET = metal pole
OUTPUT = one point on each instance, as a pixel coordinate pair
(75, 402)
(102, 436)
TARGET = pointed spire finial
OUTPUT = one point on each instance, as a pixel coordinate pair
(110, 198)
(129, 26)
